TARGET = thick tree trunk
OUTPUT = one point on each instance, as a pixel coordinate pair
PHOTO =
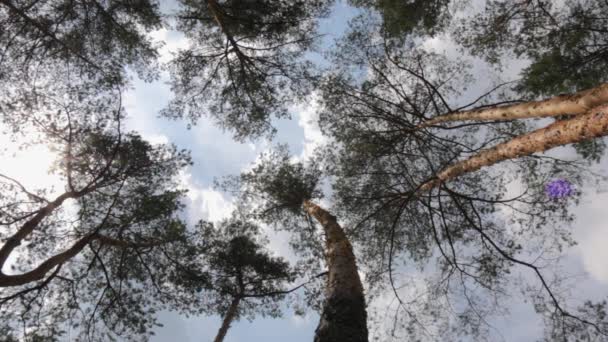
(344, 316)
(228, 318)
(591, 125)
(577, 103)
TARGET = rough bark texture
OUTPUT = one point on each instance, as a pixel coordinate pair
(591, 125)
(577, 103)
(230, 314)
(344, 316)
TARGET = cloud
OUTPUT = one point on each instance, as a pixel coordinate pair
(30, 166)
(591, 231)
(156, 139)
(205, 203)
(308, 120)
(171, 41)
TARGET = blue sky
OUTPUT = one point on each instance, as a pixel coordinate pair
(215, 154)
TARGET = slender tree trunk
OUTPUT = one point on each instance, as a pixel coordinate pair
(591, 125)
(216, 12)
(228, 318)
(26, 229)
(577, 103)
(344, 316)
(7, 280)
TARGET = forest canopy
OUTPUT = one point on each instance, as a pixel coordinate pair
(376, 169)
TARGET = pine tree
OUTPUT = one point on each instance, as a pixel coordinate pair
(95, 253)
(244, 62)
(234, 274)
(288, 191)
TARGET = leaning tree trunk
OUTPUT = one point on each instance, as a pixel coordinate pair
(577, 103)
(591, 125)
(344, 317)
(228, 318)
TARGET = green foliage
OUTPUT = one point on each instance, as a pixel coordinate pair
(566, 43)
(591, 150)
(457, 230)
(63, 66)
(244, 63)
(284, 184)
(122, 188)
(402, 17)
(91, 39)
(574, 328)
(228, 262)
(274, 191)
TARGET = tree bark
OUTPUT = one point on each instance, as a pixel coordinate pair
(40, 271)
(344, 316)
(216, 12)
(591, 125)
(7, 280)
(577, 103)
(228, 318)
(26, 229)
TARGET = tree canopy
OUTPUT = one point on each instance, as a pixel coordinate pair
(244, 62)
(236, 276)
(437, 162)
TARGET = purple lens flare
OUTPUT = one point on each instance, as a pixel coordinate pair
(559, 188)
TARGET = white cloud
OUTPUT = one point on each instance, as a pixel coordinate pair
(156, 139)
(172, 42)
(30, 166)
(205, 202)
(308, 118)
(303, 320)
(591, 231)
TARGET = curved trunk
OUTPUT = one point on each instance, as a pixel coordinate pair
(344, 317)
(577, 103)
(591, 125)
(228, 318)
(59, 259)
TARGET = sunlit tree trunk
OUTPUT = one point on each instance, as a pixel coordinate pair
(344, 316)
(228, 318)
(577, 103)
(591, 125)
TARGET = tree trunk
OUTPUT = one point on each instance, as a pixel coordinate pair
(344, 317)
(577, 103)
(228, 318)
(591, 125)
(59, 259)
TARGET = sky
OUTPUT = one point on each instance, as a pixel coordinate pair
(215, 154)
